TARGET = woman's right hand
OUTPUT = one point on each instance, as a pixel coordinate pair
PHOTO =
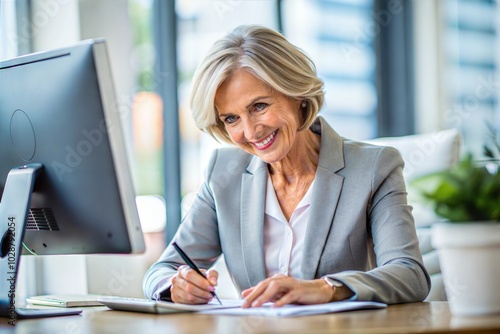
(189, 287)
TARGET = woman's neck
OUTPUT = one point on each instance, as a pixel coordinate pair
(301, 161)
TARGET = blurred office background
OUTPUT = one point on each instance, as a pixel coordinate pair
(390, 67)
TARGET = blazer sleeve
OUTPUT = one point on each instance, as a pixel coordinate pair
(400, 275)
(198, 236)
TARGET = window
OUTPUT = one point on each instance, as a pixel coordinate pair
(200, 24)
(339, 37)
(8, 31)
(147, 106)
(470, 52)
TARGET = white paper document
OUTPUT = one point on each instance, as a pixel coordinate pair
(298, 310)
(232, 307)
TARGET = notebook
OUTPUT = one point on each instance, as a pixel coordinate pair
(65, 300)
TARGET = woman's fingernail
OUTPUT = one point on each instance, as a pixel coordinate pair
(211, 288)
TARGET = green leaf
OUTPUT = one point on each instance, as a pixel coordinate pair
(488, 152)
(446, 192)
(466, 192)
(453, 213)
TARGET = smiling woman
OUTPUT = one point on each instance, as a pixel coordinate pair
(264, 123)
(305, 216)
(254, 116)
(291, 73)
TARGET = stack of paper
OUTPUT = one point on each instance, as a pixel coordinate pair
(298, 310)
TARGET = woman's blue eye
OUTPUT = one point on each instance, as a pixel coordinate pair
(230, 119)
(260, 106)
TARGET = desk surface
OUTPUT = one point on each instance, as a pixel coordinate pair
(431, 317)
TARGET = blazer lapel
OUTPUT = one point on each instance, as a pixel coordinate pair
(252, 220)
(326, 194)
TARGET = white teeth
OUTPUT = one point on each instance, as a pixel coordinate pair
(266, 141)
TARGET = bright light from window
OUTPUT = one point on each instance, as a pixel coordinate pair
(8, 31)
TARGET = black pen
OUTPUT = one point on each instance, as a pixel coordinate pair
(192, 265)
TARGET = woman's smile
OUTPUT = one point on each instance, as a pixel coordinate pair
(267, 142)
(257, 118)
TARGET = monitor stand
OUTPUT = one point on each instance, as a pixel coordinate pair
(14, 210)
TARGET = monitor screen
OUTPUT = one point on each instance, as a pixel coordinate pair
(58, 109)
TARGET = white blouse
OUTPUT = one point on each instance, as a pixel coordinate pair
(284, 240)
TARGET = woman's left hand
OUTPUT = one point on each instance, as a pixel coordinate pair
(283, 290)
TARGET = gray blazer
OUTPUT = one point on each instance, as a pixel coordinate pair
(360, 231)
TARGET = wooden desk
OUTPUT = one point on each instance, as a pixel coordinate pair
(431, 317)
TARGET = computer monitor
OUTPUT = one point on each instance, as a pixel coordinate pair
(62, 147)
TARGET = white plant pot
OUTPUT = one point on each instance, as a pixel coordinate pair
(469, 256)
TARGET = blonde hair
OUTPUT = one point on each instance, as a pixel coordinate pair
(267, 55)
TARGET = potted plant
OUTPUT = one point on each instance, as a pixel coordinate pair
(467, 196)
